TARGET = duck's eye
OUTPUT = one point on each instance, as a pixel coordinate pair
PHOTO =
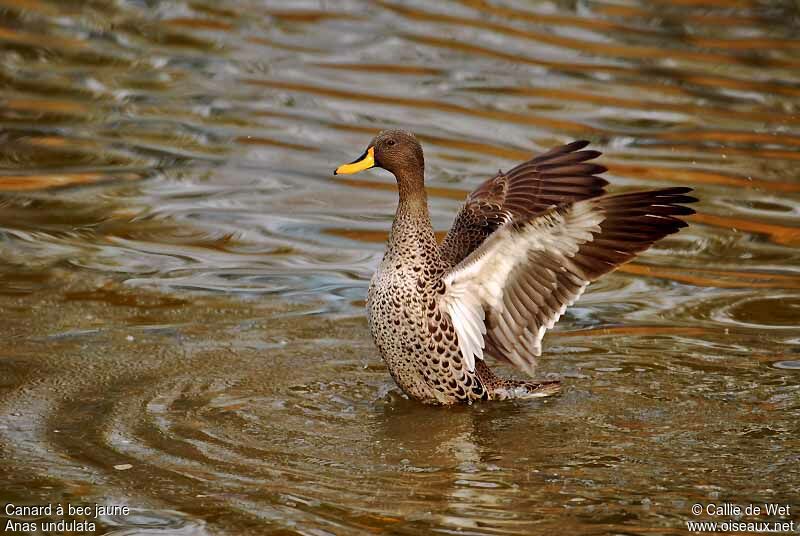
(390, 143)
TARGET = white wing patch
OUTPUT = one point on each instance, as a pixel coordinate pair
(468, 319)
(476, 288)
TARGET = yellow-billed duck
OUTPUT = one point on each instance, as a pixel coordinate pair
(523, 248)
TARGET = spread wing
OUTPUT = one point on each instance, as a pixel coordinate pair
(560, 175)
(518, 283)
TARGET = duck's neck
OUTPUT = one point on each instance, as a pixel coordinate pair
(412, 235)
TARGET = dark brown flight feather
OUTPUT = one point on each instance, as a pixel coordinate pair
(557, 176)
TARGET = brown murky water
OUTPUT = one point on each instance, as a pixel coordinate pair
(183, 280)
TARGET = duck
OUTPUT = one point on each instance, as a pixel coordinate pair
(523, 247)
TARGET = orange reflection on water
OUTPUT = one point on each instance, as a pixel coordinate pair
(780, 234)
(697, 177)
(199, 24)
(45, 105)
(43, 181)
(52, 41)
(714, 278)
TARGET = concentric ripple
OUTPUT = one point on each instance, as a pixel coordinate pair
(183, 279)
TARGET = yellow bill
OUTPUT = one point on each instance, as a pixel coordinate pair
(365, 161)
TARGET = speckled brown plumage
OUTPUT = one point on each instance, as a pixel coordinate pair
(522, 248)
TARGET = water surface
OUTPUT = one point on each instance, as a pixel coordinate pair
(183, 281)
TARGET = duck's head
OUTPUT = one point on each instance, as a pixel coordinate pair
(397, 151)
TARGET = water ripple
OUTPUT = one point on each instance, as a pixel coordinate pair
(183, 280)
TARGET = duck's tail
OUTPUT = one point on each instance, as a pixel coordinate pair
(524, 389)
(504, 388)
